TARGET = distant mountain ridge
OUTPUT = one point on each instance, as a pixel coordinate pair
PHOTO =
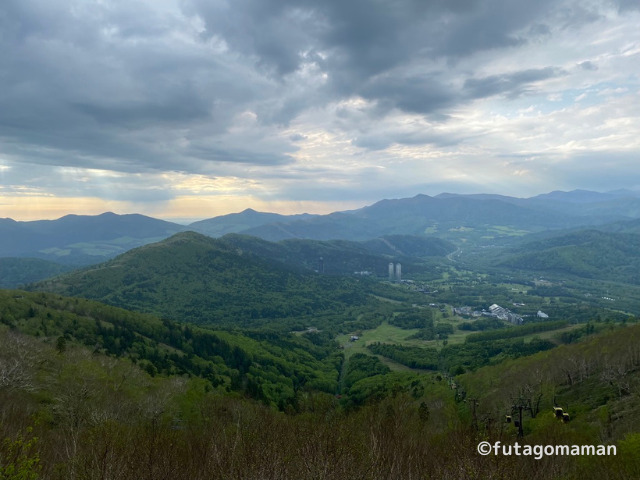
(445, 214)
(83, 239)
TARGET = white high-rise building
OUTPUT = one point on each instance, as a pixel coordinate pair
(398, 272)
(390, 272)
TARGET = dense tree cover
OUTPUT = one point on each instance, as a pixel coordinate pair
(426, 334)
(16, 272)
(580, 333)
(268, 366)
(414, 357)
(516, 331)
(81, 415)
(440, 330)
(414, 318)
(460, 357)
(422, 319)
(194, 278)
(375, 388)
(343, 256)
(362, 366)
(338, 256)
(586, 253)
(443, 329)
(472, 355)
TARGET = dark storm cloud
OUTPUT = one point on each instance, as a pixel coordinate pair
(166, 85)
(110, 86)
(357, 42)
(369, 36)
(511, 85)
(416, 94)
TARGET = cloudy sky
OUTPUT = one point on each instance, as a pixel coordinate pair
(196, 108)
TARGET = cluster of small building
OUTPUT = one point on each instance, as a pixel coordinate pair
(495, 311)
(363, 273)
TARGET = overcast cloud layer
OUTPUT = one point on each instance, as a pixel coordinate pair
(194, 108)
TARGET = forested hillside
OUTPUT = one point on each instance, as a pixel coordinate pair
(21, 271)
(144, 400)
(585, 253)
(343, 256)
(191, 277)
(265, 365)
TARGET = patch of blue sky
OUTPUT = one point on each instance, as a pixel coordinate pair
(544, 103)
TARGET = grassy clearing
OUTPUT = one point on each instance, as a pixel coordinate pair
(458, 336)
(397, 367)
(504, 230)
(384, 333)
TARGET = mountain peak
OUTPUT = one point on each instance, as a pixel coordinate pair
(189, 235)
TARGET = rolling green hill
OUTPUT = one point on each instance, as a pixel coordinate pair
(191, 277)
(339, 257)
(586, 253)
(344, 256)
(15, 272)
